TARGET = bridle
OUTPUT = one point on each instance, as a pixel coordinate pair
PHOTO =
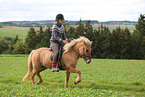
(83, 56)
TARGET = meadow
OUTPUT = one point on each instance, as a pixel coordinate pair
(102, 77)
(8, 32)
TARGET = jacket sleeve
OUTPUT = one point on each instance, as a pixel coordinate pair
(64, 36)
(54, 33)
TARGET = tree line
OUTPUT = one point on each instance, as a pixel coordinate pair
(118, 44)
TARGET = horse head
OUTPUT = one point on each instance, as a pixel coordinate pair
(85, 51)
(81, 46)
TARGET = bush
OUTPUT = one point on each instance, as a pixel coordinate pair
(19, 48)
(3, 46)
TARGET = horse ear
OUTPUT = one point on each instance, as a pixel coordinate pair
(91, 41)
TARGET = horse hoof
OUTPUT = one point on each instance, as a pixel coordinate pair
(38, 84)
(67, 87)
(75, 83)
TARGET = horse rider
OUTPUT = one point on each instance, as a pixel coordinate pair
(58, 37)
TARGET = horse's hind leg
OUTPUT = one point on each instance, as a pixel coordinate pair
(39, 76)
(32, 76)
(40, 79)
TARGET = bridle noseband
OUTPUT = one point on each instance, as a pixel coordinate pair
(83, 56)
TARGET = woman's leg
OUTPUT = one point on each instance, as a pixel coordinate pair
(55, 48)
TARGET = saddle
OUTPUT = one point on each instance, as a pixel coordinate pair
(59, 64)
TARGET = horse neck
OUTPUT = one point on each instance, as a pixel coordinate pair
(75, 50)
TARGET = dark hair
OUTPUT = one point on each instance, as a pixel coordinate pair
(59, 17)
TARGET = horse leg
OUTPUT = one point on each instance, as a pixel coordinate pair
(40, 79)
(74, 70)
(39, 76)
(32, 76)
(67, 79)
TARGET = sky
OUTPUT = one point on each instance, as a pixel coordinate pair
(101, 10)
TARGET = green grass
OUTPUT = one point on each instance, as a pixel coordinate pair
(12, 33)
(102, 77)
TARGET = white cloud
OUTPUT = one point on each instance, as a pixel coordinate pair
(102, 10)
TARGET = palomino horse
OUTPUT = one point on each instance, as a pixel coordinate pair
(40, 60)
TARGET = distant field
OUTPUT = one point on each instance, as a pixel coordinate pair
(112, 27)
(103, 77)
(12, 33)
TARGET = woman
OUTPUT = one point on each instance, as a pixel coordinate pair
(58, 37)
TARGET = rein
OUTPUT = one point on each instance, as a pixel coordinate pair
(83, 54)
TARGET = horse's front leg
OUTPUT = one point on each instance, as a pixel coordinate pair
(67, 79)
(74, 70)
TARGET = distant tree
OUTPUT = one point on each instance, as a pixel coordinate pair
(15, 40)
(140, 27)
(70, 32)
(105, 42)
(66, 25)
(79, 31)
(95, 45)
(45, 42)
(40, 36)
(31, 40)
(115, 43)
(142, 49)
(136, 40)
(3, 46)
(88, 31)
(125, 40)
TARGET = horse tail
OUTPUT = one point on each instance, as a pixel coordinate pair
(29, 67)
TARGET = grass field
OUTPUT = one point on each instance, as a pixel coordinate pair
(12, 33)
(103, 77)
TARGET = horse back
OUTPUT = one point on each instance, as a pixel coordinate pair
(42, 57)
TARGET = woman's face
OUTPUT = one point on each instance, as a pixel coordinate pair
(60, 21)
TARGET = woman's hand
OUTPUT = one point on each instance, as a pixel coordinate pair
(64, 41)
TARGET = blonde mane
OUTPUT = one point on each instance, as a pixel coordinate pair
(69, 45)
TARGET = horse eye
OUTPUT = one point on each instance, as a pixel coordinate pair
(87, 50)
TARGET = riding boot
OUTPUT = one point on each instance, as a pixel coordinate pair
(53, 69)
(57, 69)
